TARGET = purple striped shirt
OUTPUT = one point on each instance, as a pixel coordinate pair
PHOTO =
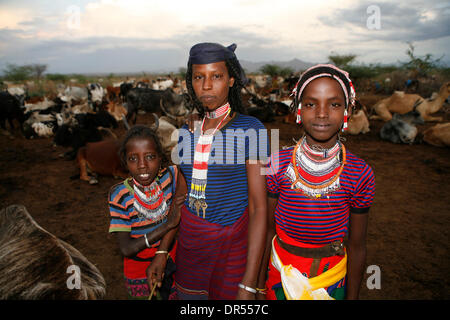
(322, 220)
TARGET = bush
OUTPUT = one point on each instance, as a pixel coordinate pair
(57, 77)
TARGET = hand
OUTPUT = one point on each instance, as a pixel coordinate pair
(155, 272)
(245, 295)
(175, 214)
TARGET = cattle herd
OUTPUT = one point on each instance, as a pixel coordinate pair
(82, 118)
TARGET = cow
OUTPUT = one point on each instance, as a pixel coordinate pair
(147, 100)
(73, 95)
(175, 114)
(11, 108)
(119, 112)
(39, 125)
(36, 265)
(18, 91)
(261, 109)
(358, 121)
(164, 130)
(113, 93)
(401, 129)
(95, 95)
(100, 158)
(82, 129)
(44, 118)
(162, 84)
(125, 87)
(438, 135)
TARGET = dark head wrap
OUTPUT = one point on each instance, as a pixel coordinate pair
(207, 52)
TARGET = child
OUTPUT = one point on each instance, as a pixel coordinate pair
(144, 215)
(318, 194)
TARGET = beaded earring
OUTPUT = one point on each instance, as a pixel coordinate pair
(299, 118)
(345, 125)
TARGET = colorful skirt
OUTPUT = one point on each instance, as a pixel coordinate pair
(274, 284)
(211, 259)
(136, 281)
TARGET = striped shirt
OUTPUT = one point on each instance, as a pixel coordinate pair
(242, 138)
(323, 220)
(124, 217)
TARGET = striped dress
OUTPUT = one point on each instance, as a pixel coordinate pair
(124, 218)
(308, 222)
(212, 252)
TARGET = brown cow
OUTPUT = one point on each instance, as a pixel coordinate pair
(113, 93)
(36, 265)
(438, 135)
(100, 158)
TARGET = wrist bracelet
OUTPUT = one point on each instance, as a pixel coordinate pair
(146, 241)
(240, 285)
(161, 251)
(262, 291)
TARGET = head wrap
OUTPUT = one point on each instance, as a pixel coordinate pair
(207, 52)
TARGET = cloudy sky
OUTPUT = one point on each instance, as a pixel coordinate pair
(82, 36)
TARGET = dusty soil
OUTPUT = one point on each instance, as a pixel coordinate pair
(408, 234)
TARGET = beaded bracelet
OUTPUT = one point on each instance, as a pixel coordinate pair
(249, 289)
(146, 241)
(262, 291)
(161, 251)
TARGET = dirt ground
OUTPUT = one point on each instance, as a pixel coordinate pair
(408, 233)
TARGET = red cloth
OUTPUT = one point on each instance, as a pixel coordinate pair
(211, 259)
(301, 263)
(134, 269)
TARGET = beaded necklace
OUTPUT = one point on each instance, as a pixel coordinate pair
(220, 111)
(150, 204)
(197, 194)
(316, 173)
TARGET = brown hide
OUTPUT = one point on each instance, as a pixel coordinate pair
(438, 135)
(101, 158)
(34, 263)
(112, 93)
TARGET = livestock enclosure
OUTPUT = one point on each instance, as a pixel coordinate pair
(408, 229)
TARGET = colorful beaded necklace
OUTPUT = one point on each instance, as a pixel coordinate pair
(220, 111)
(150, 204)
(197, 194)
(316, 173)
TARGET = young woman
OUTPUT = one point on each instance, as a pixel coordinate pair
(319, 194)
(144, 214)
(223, 224)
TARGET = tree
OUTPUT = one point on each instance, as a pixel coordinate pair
(342, 60)
(14, 72)
(38, 70)
(420, 66)
(182, 71)
(271, 69)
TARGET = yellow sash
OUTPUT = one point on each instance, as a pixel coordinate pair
(298, 287)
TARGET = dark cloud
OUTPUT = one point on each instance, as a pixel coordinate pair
(122, 54)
